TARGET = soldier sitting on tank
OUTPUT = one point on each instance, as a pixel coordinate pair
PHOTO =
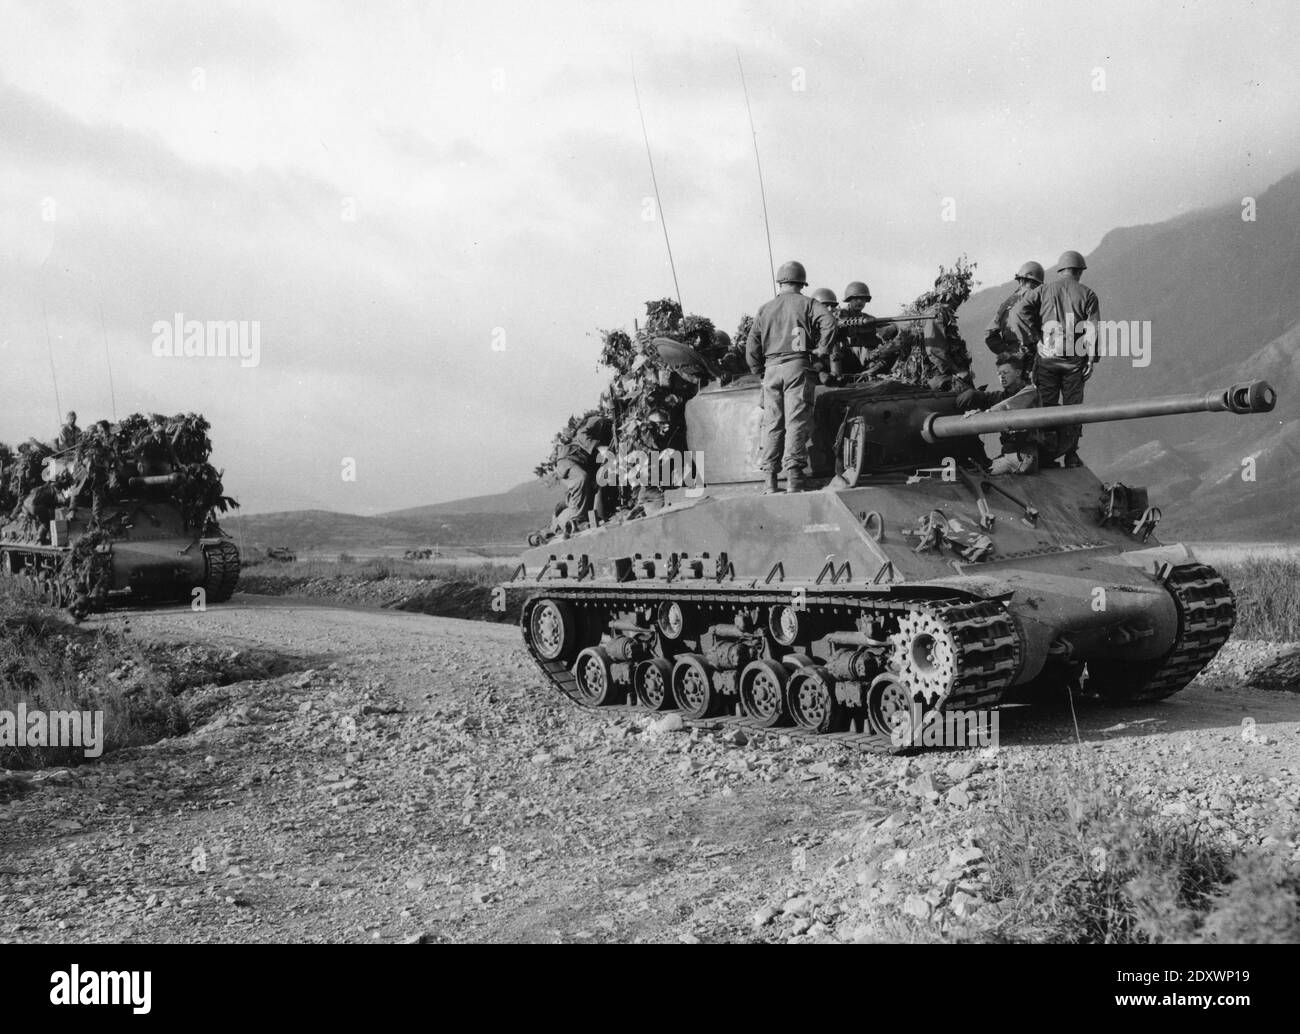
(1019, 448)
(868, 351)
(576, 469)
(155, 450)
(69, 434)
(832, 368)
(729, 358)
(941, 371)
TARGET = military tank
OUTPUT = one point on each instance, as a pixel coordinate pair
(911, 581)
(141, 548)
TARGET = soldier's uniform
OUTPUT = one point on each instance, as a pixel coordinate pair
(1003, 332)
(69, 434)
(1019, 448)
(576, 468)
(787, 332)
(1054, 316)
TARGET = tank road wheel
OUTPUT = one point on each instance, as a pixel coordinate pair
(693, 687)
(553, 629)
(762, 693)
(784, 625)
(595, 677)
(653, 681)
(810, 696)
(222, 574)
(671, 620)
(889, 705)
(927, 656)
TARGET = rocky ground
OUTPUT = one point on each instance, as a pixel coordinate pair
(411, 778)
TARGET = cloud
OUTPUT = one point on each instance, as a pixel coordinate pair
(493, 160)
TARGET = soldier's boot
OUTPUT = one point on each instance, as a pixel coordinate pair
(771, 483)
(1072, 459)
(794, 482)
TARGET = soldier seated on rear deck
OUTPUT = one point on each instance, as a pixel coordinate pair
(1019, 448)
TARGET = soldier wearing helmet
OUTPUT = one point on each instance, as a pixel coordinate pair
(1001, 334)
(1060, 320)
(856, 296)
(788, 332)
(859, 347)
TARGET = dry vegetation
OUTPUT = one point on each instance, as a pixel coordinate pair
(50, 664)
(1075, 860)
(1268, 597)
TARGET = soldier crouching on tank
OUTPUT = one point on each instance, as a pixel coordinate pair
(1019, 448)
(787, 334)
(576, 469)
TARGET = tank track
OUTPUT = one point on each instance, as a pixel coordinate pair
(1207, 611)
(979, 641)
(222, 562)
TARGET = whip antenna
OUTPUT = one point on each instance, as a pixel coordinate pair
(108, 361)
(49, 347)
(658, 204)
(758, 165)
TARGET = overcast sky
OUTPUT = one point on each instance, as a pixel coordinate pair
(391, 189)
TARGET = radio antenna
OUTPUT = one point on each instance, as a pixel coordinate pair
(49, 347)
(771, 265)
(658, 204)
(108, 361)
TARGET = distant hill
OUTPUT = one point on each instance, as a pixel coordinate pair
(503, 520)
(530, 497)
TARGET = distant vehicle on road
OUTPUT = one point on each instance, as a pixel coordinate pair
(283, 554)
(421, 554)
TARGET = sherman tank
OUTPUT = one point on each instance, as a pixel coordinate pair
(141, 549)
(909, 580)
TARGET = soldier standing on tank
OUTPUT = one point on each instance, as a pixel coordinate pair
(1062, 319)
(787, 332)
(1001, 335)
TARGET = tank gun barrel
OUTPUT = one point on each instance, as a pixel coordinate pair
(870, 322)
(154, 481)
(1251, 397)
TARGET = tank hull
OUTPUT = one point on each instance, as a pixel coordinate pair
(149, 557)
(879, 614)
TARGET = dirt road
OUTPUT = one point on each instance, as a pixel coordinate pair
(414, 777)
